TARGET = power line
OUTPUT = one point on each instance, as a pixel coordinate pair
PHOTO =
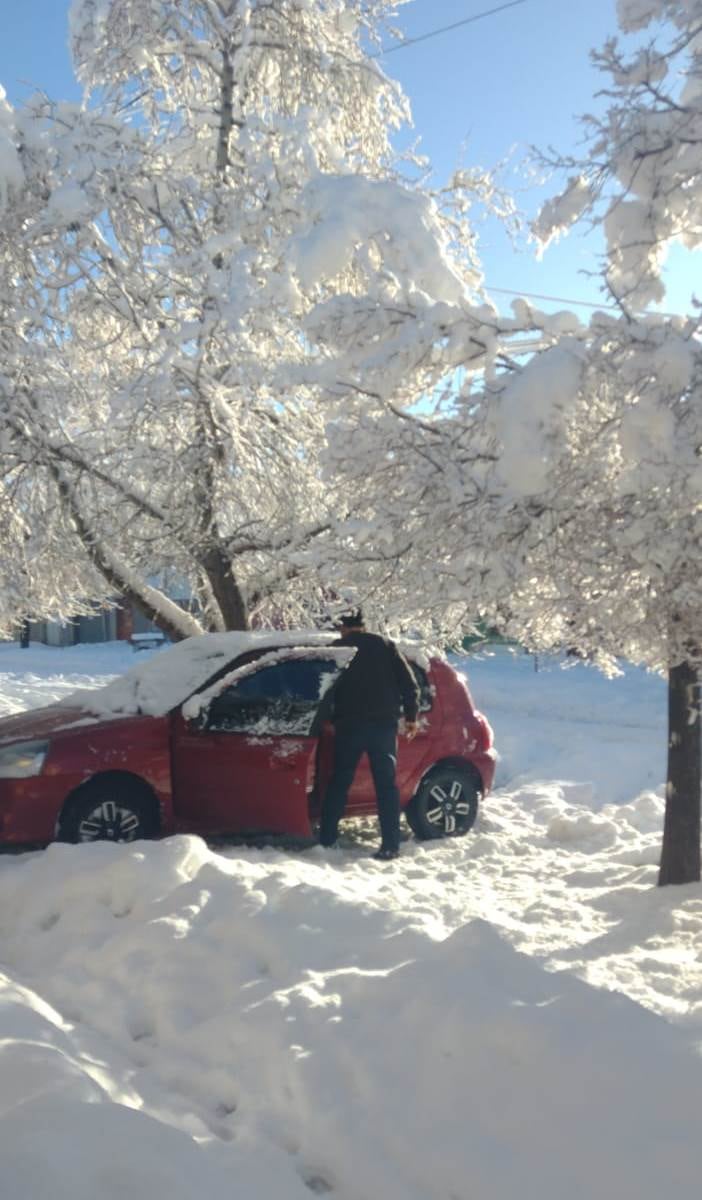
(423, 37)
(579, 303)
(555, 299)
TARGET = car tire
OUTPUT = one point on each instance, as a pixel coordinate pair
(110, 810)
(446, 802)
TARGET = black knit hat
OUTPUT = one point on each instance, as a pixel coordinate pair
(352, 619)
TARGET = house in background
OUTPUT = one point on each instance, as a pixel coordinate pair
(106, 625)
(110, 622)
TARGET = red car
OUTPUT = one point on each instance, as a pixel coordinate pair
(222, 734)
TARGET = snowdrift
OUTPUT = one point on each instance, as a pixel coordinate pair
(200, 1023)
(186, 1022)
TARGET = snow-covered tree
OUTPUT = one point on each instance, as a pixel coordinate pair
(170, 238)
(559, 494)
(609, 526)
(643, 182)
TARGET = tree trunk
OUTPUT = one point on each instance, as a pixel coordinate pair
(680, 857)
(218, 569)
(226, 115)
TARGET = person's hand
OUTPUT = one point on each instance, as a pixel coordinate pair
(411, 728)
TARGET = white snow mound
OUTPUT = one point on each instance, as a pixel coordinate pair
(218, 997)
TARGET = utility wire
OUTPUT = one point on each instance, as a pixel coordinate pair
(579, 303)
(555, 299)
(423, 37)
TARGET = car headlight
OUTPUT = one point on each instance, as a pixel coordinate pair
(22, 759)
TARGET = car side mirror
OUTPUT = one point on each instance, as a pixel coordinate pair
(199, 721)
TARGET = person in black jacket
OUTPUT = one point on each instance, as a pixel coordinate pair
(367, 700)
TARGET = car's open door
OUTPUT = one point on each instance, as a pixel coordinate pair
(244, 751)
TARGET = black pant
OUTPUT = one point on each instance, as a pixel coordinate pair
(377, 739)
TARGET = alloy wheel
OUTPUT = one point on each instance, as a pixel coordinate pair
(447, 806)
(110, 822)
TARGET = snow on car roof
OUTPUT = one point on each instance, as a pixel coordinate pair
(155, 686)
(160, 683)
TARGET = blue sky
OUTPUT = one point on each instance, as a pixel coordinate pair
(479, 94)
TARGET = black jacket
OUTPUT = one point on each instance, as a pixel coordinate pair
(377, 683)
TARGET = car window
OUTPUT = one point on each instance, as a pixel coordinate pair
(279, 699)
(296, 679)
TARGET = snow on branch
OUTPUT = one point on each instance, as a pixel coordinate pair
(11, 171)
(642, 178)
(346, 214)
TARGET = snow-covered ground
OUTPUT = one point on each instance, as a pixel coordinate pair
(511, 1016)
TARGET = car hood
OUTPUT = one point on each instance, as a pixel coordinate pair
(44, 723)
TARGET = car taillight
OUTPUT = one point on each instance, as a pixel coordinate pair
(485, 737)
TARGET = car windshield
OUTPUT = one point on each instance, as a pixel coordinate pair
(299, 674)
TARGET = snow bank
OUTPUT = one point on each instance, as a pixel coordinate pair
(176, 1020)
(562, 720)
(71, 1126)
(216, 1004)
(40, 675)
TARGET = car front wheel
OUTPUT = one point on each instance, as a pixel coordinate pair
(446, 803)
(107, 811)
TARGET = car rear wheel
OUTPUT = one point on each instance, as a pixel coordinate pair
(108, 811)
(446, 803)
